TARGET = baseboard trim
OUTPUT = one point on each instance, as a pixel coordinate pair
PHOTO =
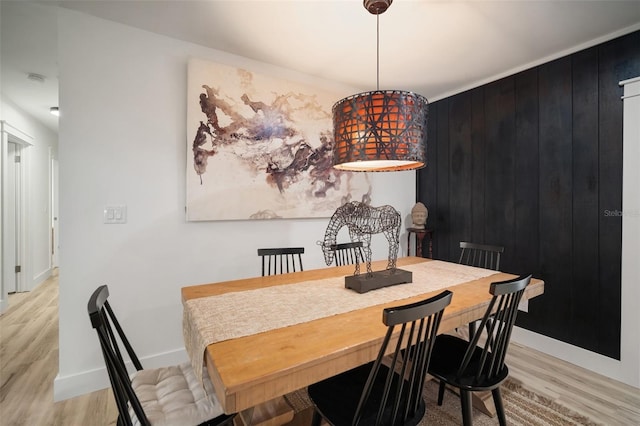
(625, 371)
(70, 386)
(39, 279)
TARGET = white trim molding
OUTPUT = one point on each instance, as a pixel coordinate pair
(10, 133)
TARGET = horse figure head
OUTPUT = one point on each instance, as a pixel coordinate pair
(328, 253)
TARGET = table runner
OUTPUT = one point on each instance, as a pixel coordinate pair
(213, 319)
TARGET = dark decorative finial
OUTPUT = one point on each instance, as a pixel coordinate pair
(377, 7)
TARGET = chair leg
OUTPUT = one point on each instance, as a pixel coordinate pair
(472, 329)
(497, 401)
(441, 392)
(467, 415)
(317, 418)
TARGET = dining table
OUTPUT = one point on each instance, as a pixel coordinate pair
(260, 338)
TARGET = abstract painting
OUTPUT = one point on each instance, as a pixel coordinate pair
(260, 147)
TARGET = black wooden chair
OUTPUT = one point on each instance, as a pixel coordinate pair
(347, 253)
(474, 366)
(281, 260)
(379, 393)
(169, 395)
(480, 255)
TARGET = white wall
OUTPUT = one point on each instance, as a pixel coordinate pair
(123, 141)
(36, 159)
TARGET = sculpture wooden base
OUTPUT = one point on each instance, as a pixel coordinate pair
(363, 283)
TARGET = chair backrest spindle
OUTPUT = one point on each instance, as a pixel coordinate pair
(480, 255)
(348, 253)
(418, 324)
(497, 324)
(281, 260)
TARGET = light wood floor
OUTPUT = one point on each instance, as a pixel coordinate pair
(29, 363)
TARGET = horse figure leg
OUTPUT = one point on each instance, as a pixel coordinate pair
(367, 251)
(354, 236)
(393, 237)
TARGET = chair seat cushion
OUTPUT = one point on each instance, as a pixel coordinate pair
(446, 358)
(172, 396)
(337, 397)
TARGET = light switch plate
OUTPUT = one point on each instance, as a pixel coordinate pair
(115, 214)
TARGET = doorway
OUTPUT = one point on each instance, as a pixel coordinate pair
(14, 154)
(12, 265)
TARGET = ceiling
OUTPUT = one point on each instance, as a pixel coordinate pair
(432, 47)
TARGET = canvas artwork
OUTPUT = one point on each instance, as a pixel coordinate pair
(261, 148)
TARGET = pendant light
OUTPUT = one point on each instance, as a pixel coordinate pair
(381, 130)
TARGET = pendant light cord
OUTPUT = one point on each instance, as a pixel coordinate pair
(378, 52)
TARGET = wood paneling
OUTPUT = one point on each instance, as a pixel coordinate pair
(460, 168)
(533, 162)
(478, 165)
(441, 247)
(499, 109)
(585, 196)
(525, 256)
(554, 86)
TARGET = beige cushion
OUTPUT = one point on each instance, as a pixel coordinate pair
(172, 396)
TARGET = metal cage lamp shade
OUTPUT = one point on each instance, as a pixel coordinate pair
(382, 130)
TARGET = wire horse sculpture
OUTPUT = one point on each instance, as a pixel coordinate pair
(363, 221)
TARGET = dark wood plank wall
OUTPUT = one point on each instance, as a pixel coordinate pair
(533, 162)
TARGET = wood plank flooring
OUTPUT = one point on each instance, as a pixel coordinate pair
(29, 364)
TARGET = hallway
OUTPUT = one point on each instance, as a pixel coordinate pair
(29, 364)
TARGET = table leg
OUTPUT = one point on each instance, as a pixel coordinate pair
(483, 401)
(271, 413)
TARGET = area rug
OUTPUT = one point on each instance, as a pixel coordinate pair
(522, 408)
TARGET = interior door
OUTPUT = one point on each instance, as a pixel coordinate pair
(11, 210)
(54, 213)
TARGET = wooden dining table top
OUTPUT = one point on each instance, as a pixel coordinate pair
(250, 370)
